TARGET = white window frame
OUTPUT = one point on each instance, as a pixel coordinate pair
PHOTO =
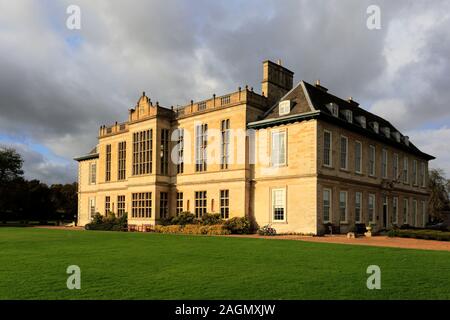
(414, 213)
(372, 169)
(279, 153)
(405, 170)
(92, 173)
(395, 210)
(330, 150)
(374, 208)
(91, 205)
(357, 142)
(395, 164)
(346, 207)
(360, 206)
(330, 206)
(424, 213)
(283, 190)
(384, 163)
(415, 175)
(405, 210)
(341, 153)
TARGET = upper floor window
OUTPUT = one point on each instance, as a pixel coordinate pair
(422, 174)
(397, 136)
(201, 142)
(142, 152)
(279, 204)
(395, 167)
(108, 163)
(358, 157)
(284, 107)
(348, 115)
(93, 173)
(362, 121)
(414, 172)
(122, 154)
(405, 170)
(327, 148)
(180, 150)
(344, 153)
(387, 132)
(201, 106)
(278, 148)
(384, 161)
(333, 108)
(164, 152)
(376, 127)
(225, 143)
(372, 162)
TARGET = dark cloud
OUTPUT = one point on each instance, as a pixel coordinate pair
(57, 86)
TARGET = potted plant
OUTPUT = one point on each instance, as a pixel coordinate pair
(351, 234)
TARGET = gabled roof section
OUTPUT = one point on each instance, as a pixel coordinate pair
(309, 101)
(93, 154)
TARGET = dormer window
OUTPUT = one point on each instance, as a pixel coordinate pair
(376, 127)
(284, 107)
(396, 136)
(362, 121)
(387, 132)
(334, 109)
(406, 140)
(348, 115)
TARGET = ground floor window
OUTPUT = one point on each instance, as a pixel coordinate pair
(91, 208)
(326, 205)
(120, 206)
(371, 208)
(200, 204)
(424, 214)
(163, 205)
(179, 202)
(405, 210)
(141, 205)
(107, 205)
(279, 204)
(224, 204)
(414, 213)
(343, 206)
(395, 209)
(358, 201)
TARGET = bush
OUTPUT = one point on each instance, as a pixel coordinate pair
(194, 229)
(217, 230)
(238, 225)
(211, 219)
(108, 223)
(420, 234)
(184, 218)
(267, 230)
(169, 229)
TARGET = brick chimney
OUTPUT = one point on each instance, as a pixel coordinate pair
(277, 80)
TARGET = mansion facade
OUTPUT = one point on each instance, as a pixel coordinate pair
(294, 156)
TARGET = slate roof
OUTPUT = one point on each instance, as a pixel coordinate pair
(311, 101)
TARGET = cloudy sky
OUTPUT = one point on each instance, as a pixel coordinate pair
(57, 85)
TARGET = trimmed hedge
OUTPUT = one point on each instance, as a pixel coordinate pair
(108, 223)
(420, 234)
(217, 229)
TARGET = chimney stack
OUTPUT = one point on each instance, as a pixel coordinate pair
(277, 81)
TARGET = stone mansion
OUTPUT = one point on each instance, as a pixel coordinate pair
(293, 156)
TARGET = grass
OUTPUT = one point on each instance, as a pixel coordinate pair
(117, 265)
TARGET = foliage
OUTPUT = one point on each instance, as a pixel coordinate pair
(267, 230)
(420, 234)
(183, 218)
(238, 225)
(10, 165)
(439, 192)
(211, 219)
(218, 229)
(108, 223)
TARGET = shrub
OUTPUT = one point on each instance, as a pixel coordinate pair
(184, 218)
(238, 225)
(267, 230)
(211, 219)
(193, 229)
(420, 234)
(108, 223)
(217, 229)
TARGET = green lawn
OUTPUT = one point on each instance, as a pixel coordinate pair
(114, 265)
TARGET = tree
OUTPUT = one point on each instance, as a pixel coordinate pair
(10, 165)
(439, 198)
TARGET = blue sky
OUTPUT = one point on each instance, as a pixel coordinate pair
(57, 86)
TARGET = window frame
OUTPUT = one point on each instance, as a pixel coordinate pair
(359, 220)
(343, 153)
(384, 163)
(395, 209)
(372, 219)
(284, 199)
(330, 150)
(330, 205)
(360, 162)
(283, 133)
(343, 192)
(224, 205)
(372, 162)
